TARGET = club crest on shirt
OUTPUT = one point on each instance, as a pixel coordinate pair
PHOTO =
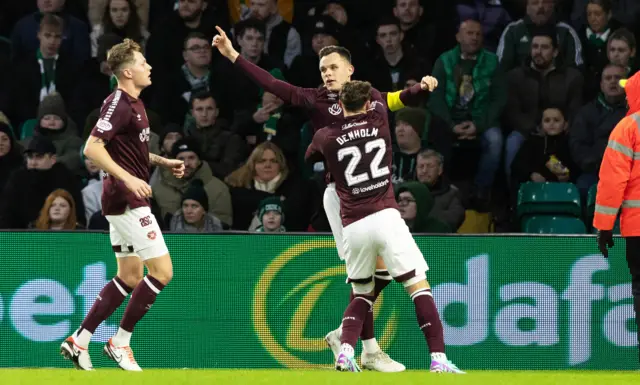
(151, 235)
(335, 109)
(103, 125)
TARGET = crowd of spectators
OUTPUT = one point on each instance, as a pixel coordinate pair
(528, 91)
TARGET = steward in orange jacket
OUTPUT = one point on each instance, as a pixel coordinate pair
(619, 188)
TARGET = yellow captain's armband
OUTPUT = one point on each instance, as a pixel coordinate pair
(393, 101)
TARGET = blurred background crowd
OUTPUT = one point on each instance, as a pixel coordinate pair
(528, 95)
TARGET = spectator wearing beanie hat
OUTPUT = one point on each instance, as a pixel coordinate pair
(325, 31)
(271, 216)
(171, 134)
(193, 216)
(417, 129)
(409, 132)
(168, 190)
(54, 123)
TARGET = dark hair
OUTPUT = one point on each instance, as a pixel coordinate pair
(52, 20)
(624, 35)
(131, 29)
(355, 94)
(251, 23)
(328, 50)
(468, 19)
(388, 20)
(194, 35)
(604, 4)
(558, 107)
(547, 31)
(201, 95)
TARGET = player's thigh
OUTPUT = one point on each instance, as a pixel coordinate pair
(400, 253)
(360, 257)
(331, 204)
(145, 233)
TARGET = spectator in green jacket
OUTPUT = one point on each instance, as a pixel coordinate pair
(515, 43)
(415, 203)
(470, 97)
(535, 85)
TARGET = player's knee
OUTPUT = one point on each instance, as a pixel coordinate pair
(131, 278)
(164, 275)
(380, 264)
(419, 282)
(363, 289)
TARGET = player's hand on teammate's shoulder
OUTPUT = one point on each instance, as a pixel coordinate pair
(176, 166)
(137, 186)
(429, 83)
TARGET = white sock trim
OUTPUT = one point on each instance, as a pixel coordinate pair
(421, 292)
(366, 300)
(120, 288)
(151, 286)
(370, 346)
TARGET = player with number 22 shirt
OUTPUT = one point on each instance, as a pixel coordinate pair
(356, 153)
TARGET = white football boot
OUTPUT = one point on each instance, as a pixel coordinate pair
(122, 355)
(77, 355)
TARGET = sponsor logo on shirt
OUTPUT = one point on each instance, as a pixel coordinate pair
(354, 124)
(103, 125)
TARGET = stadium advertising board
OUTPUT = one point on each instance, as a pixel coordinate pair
(260, 301)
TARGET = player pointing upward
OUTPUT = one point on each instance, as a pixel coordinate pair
(323, 107)
(119, 145)
(356, 153)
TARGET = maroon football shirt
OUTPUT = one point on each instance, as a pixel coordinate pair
(357, 153)
(123, 124)
(321, 104)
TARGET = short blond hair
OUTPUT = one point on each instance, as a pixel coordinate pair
(121, 54)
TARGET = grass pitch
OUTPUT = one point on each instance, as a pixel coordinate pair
(310, 377)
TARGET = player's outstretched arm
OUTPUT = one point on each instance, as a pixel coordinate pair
(96, 151)
(411, 96)
(285, 91)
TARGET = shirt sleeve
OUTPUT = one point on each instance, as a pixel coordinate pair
(114, 117)
(411, 97)
(290, 94)
(314, 151)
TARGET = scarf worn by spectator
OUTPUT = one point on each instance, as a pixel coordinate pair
(196, 84)
(48, 86)
(598, 39)
(270, 127)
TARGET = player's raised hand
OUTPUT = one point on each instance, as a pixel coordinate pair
(176, 166)
(139, 187)
(429, 83)
(224, 45)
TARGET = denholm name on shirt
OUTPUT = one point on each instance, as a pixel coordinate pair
(357, 134)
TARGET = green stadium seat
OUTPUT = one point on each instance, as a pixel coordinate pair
(26, 131)
(552, 224)
(591, 208)
(548, 198)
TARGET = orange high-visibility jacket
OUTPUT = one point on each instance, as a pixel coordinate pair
(619, 184)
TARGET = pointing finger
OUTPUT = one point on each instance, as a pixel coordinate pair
(221, 31)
